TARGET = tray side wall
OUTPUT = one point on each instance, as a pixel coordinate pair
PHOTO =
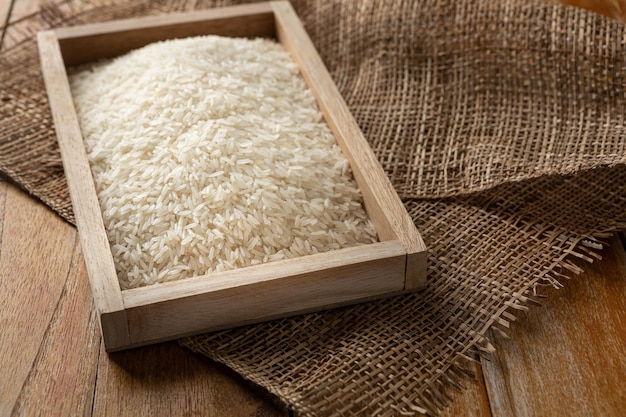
(98, 258)
(382, 203)
(81, 44)
(299, 288)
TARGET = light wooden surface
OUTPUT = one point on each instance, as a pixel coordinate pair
(565, 358)
(52, 360)
(257, 293)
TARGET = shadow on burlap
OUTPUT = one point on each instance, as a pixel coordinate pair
(500, 124)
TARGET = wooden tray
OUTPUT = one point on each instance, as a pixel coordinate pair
(395, 264)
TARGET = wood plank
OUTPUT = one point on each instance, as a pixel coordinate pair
(568, 356)
(168, 380)
(35, 256)
(98, 258)
(64, 372)
(381, 201)
(302, 268)
(262, 292)
(471, 400)
(86, 43)
(61, 378)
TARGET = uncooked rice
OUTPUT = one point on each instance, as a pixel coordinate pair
(210, 154)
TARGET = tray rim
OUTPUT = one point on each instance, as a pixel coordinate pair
(396, 230)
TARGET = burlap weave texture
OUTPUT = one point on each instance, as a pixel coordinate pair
(487, 116)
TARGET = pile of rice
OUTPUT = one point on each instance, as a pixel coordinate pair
(210, 154)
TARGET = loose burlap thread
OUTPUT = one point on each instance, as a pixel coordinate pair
(490, 118)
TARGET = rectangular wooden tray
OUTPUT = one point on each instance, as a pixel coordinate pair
(394, 265)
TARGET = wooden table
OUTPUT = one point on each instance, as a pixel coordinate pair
(566, 358)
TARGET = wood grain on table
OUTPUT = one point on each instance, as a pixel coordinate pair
(565, 358)
(51, 356)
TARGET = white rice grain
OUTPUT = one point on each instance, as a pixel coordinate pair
(209, 154)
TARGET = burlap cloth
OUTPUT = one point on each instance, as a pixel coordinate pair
(502, 127)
